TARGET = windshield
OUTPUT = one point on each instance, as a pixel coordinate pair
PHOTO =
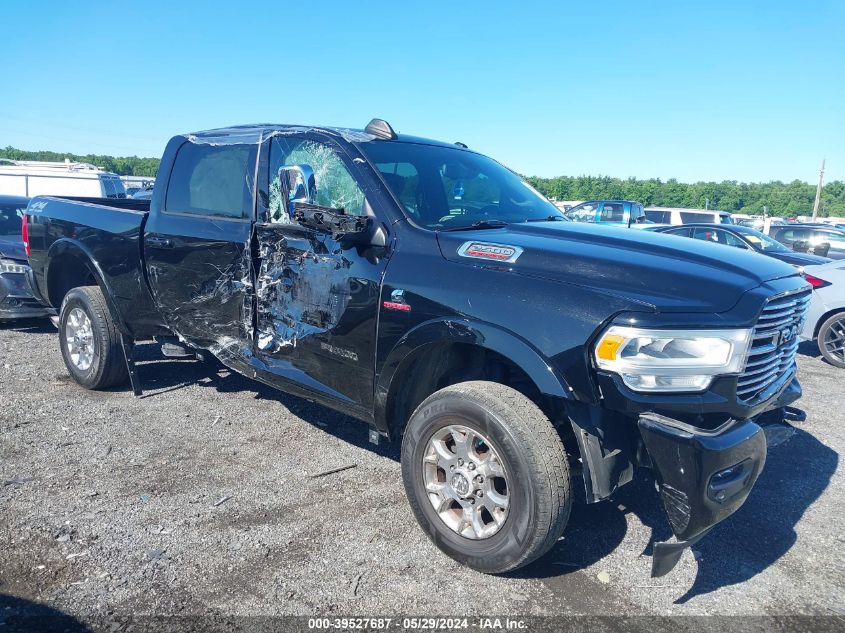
(444, 188)
(762, 242)
(10, 218)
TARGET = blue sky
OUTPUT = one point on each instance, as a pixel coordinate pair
(694, 91)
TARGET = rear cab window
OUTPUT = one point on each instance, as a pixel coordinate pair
(210, 180)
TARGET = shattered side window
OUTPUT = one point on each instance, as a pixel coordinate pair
(336, 188)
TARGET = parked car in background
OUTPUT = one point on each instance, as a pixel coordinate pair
(817, 239)
(41, 178)
(759, 223)
(16, 300)
(745, 238)
(143, 194)
(664, 215)
(615, 212)
(826, 317)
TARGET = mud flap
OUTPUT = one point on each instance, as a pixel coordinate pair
(605, 451)
(128, 346)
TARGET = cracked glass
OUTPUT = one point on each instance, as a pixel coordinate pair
(335, 186)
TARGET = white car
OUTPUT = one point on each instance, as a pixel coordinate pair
(40, 178)
(676, 216)
(826, 316)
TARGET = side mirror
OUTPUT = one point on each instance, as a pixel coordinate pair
(341, 226)
(297, 184)
(801, 246)
(363, 231)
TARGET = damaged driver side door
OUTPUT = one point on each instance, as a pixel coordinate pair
(317, 294)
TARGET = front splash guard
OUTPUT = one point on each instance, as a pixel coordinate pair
(703, 476)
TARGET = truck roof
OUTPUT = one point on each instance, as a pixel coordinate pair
(258, 132)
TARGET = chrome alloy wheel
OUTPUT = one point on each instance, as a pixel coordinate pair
(834, 340)
(79, 337)
(466, 482)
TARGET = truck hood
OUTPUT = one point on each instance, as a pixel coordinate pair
(11, 247)
(663, 272)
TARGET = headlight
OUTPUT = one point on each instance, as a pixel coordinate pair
(671, 360)
(11, 266)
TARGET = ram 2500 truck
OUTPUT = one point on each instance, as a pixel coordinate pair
(427, 290)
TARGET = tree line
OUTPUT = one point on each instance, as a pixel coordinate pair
(122, 165)
(777, 198)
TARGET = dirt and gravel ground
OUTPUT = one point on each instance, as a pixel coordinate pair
(201, 496)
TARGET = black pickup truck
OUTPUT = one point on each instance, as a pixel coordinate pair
(427, 290)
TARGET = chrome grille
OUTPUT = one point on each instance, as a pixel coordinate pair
(775, 342)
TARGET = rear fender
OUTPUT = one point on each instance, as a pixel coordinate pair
(68, 247)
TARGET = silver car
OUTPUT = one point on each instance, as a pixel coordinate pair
(826, 317)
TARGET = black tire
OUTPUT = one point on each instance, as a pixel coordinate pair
(533, 456)
(108, 367)
(826, 331)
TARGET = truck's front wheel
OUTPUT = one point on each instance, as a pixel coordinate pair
(90, 340)
(486, 475)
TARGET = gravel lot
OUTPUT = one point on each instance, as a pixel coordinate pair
(201, 496)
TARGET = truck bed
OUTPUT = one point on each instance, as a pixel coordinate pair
(103, 235)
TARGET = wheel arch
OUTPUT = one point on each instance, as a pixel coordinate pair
(441, 352)
(824, 318)
(71, 265)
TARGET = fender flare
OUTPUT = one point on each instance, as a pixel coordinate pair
(74, 248)
(461, 330)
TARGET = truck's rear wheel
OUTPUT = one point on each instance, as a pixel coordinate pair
(486, 476)
(90, 340)
(832, 339)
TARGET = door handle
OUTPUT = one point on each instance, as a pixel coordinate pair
(162, 242)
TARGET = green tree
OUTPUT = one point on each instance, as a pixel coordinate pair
(122, 165)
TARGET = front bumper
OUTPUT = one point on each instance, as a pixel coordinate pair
(17, 300)
(703, 476)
